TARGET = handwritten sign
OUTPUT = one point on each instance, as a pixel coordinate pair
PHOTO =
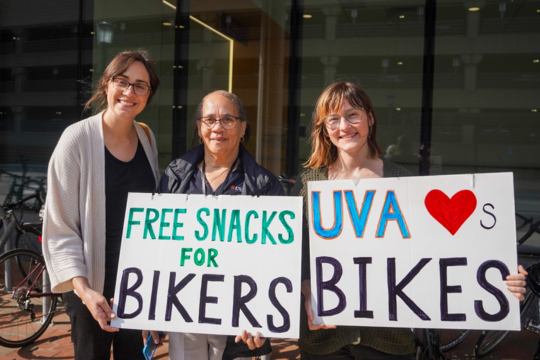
(425, 252)
(214, 265)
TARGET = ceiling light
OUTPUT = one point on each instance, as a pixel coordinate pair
(402, 16)
(398, 109)
(307, 16)
(474, 8)
(536, 61)
(534, 110)
(166, 24)
(400, 63)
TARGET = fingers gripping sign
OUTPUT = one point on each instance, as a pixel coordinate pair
(516, 283)
(253, 342)
(96, 303)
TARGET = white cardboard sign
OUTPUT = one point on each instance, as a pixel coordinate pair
(214, 265)
(423, 252)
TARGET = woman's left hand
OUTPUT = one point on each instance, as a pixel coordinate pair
(516, 283)
(252, 342)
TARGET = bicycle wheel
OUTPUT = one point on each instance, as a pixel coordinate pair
(30, 238)
(451, 338)
(25, 313)
(491, 338)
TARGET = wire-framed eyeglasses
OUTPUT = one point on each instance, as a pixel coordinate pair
(139, 88)
(353, 116)
(227, 122)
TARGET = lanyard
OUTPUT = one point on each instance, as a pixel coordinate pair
(203, 177)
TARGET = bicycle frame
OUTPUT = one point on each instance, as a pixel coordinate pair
(29, 293)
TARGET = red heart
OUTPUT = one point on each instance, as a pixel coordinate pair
(451, 213)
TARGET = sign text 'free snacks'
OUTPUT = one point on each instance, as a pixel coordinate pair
(214, 265)
(424, 252)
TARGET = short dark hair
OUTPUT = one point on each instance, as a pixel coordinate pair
(117, 66)
(239, 108)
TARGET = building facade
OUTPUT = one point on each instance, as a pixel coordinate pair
(455, 83)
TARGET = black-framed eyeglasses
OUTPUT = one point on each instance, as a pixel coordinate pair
(139, 88)
(353, 116)
(227, 122)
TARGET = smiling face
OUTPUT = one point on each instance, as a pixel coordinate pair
(218, 141)
(349, 137)
(125, 103)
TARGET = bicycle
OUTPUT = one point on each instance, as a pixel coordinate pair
(287, 183)
(533, 281)
(489, 339)
(21, 184)
(428, 345)
(28, 233)
(27, 305)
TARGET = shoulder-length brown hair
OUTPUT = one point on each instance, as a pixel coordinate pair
(323, 152)
(118, 66)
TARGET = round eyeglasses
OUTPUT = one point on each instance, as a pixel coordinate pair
(139, 88)
(353, 116)
(227, 122)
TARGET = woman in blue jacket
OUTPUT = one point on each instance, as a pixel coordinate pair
(220, 165)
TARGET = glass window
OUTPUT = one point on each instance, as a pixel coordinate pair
(486, 91)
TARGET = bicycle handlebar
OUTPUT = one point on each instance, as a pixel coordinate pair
(36, 195)
(532, 229)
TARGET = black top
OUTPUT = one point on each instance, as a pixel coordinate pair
(121, 178)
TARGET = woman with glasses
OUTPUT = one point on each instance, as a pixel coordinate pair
(344, 146)
(220, 165)
(96, 162)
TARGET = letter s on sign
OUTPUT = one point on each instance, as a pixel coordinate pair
(491, 214)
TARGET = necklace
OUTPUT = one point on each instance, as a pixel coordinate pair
(215, 177)
(204, 180)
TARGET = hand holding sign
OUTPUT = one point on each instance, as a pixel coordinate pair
(516, 283)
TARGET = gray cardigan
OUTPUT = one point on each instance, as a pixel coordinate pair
(74, 222)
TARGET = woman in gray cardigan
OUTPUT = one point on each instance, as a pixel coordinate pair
(96, 162)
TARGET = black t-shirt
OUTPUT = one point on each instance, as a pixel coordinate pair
(121, 178)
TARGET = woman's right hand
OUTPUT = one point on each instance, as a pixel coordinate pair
(306, 291)
(95, 302)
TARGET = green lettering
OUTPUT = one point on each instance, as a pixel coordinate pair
(212, 254)
(219, 224)
(203, 224)
(177, 224)
(164, 224)
(131, 222)
(248, 218)
(199, 257)
(265, 224)
(149, 221)
(184, 255)
(282, 215)
(235, 225)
